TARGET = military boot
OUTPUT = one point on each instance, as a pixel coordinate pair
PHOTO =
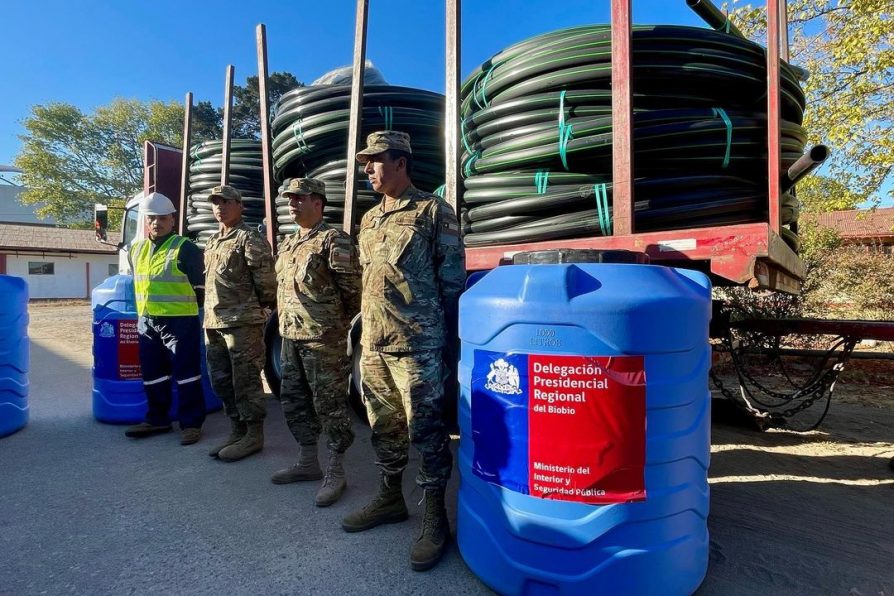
(307, 468)
(432, 541)
(334, 483)
(387, 507)
(237, 431)
(252, 442)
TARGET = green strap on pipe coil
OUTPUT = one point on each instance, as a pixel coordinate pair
(566, 131)
(721, 113)
(605, 220)
(387, 112)
(541, 181)
(298, 134)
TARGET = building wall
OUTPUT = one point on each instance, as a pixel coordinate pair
(70, 275)
(13, 211)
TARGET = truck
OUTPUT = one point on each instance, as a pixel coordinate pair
(753, 255)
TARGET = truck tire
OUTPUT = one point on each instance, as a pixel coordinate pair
(273, 365)
(272, 360)
(451, 386)
(355, 393)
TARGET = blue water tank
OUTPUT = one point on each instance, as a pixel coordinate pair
(14, 354)
(585, 429)
(118, 395)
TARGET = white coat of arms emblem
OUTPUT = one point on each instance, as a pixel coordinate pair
(107, 330)
(503, 378)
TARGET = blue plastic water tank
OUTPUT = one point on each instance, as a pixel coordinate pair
(585, 429)
(118, 395)
(14, 354)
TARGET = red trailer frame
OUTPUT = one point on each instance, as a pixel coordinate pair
(752, 254)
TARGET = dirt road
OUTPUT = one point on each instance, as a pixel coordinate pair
(791, 513)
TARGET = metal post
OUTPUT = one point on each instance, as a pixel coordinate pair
(269, 211)
(356, 108)
(622, 119)
(783, 31)
(773, 103)
(184, 170)
(227, 121)
(452, 115)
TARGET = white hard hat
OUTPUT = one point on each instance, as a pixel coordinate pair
(156, 203)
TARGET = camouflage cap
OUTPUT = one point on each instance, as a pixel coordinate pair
(225, 192)
(383, 140)
(305, 186)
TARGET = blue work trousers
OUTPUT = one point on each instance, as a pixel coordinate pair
(170, 353)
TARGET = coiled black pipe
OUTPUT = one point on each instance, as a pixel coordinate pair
(310, 129)
(246, 175)
(718, 21)
(537, 132)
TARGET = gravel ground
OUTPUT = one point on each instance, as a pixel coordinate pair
(84, 510)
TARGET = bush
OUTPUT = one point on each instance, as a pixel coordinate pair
(851, 282)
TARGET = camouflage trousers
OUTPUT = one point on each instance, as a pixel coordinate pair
(235, 357)
(404, 397)
(314, 392)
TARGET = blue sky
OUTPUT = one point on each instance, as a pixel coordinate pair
(88, 52)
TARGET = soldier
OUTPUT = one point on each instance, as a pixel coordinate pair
(413, 274)
(239, 285)
(318, 294)
(169, 288)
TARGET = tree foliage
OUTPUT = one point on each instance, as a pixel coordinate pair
(208, 121)
(846, 45)
(247, 102)
(71, 159)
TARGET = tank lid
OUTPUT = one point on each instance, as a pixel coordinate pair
(568, 255)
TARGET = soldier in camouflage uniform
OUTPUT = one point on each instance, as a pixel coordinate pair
(239, 284)
(413, 274)
(318, 292)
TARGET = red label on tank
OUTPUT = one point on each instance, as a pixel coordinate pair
(128, 350)
(587, 428)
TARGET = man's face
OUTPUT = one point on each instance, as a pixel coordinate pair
(159, 225)
(305, 210)
(386, 175)
(227, 211)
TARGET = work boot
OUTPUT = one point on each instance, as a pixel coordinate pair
(432, 541)
(387, 507)
(252, 442)
(307, 468)
(237, 431)
(144, 429)
(188, 436)
(334, 483)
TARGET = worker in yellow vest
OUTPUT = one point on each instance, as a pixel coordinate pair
(169, 286)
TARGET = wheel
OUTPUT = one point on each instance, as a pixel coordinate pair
(273, 360)
(451, 386)
(355, 392)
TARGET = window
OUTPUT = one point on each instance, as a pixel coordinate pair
(131, 220)
(113, 268)
(41, 268)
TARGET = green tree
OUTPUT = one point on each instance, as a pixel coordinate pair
(207, 122)
(71, 160)
(848, 48)
(247, 102)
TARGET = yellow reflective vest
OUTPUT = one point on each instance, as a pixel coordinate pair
(162, 289)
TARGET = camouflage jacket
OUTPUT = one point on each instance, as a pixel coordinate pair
(318, 286)
(413, 273)
(239, 279)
